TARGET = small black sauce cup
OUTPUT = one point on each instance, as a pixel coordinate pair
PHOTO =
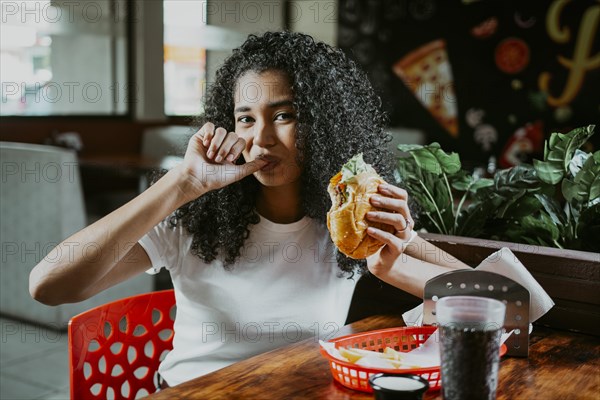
(417, 386)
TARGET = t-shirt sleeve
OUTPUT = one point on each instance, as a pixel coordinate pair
(162, 244)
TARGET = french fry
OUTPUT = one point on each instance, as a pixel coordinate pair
(351, 354)
(394, 358)
(392, 354)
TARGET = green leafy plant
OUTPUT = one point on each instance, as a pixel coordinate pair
(554, 202)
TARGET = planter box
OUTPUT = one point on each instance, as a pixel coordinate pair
(570, 277)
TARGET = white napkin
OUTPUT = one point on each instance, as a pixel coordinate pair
(414, 317)
(502, 262)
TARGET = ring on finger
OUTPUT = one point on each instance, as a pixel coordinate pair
(406, 225)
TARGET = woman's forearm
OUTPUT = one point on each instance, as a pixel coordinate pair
(421, 249)
(71, 268)
(419, 262)
(411, 274)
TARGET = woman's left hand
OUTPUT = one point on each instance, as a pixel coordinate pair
(394, 203)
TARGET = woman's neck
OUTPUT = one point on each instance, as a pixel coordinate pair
(280, 204)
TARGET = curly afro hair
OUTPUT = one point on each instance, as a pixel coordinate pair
(338, 116)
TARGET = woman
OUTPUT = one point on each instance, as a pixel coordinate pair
(251, 261)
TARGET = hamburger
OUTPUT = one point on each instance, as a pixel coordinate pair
(350, 191)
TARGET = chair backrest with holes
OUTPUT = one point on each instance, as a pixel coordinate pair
(117, 347)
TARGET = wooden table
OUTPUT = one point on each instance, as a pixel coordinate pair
(131, 164)
(561, 365)
(106, 173)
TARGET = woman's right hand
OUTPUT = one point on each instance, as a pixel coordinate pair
(73, 275)
(209, 161)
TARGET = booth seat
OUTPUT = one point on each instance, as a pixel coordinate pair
(41, 205)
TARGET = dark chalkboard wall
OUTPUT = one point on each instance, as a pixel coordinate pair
(503, 110)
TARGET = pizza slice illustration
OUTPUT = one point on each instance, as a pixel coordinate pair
(426, 71)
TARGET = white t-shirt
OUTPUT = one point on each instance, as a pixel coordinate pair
(284, 288)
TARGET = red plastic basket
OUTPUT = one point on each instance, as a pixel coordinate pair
(400, 339)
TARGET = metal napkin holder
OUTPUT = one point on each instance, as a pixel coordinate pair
(484, 284)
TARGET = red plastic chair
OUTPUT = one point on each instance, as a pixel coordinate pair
(115, 349)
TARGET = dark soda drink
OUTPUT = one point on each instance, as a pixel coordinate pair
(470, 359)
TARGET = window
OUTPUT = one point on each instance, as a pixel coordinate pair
(63, 57)
(184, 56)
